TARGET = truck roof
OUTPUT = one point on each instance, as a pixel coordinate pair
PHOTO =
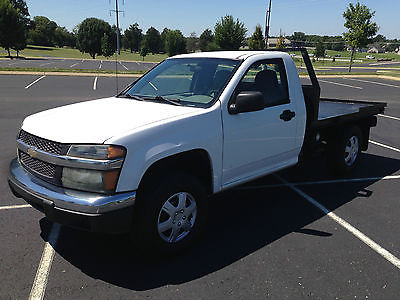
(230, 54)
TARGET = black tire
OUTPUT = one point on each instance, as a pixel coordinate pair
(149, 213)
(344, 150)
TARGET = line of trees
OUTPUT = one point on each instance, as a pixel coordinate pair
(300, 39)
(97, 37)
(228, 35)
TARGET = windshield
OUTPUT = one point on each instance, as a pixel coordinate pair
(189, 81)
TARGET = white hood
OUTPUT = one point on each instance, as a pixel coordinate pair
(98, 120)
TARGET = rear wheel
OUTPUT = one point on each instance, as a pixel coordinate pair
(171, 213)
(344, 150)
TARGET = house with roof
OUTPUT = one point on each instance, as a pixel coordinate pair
(272, 42)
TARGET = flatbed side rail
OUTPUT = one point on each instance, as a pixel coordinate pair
(381, 105)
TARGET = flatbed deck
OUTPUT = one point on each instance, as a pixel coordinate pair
(335, 111)
(331, 109)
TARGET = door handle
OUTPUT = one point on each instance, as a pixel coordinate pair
(287, 115)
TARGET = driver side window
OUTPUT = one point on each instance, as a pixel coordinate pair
(269, 78)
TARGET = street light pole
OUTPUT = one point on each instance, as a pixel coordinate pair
(267, 20)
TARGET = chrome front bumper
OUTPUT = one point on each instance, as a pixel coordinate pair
(56, 201)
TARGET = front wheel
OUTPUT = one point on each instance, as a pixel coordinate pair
(171, 213)
(344, 150)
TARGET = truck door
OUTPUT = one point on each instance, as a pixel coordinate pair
(256, 143)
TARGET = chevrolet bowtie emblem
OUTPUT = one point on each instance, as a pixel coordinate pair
(32, 152)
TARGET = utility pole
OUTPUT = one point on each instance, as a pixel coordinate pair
(267, 20)
(117, 12)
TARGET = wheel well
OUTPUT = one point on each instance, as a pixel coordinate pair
(331, 134)
(197, 162)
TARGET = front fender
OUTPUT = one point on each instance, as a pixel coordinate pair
(146, 146)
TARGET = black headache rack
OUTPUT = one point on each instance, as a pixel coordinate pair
(311, 92)
(313, 101)
(325, 116)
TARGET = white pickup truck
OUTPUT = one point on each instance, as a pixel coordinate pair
(196, 124)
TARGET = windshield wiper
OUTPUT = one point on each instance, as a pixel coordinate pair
(161, 98)
(136, 97)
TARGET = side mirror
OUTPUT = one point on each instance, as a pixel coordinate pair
(247, 101)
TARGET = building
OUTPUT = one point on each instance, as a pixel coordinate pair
(272, 42)
(376, 49)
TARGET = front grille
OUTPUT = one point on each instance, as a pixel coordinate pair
(37, 166)
(44, 170)
(43, 144)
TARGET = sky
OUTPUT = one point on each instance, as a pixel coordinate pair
(322, 17)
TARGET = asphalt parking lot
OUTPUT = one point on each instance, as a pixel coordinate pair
(84, 64)
(300, 234)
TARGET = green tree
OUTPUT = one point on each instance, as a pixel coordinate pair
(339, 45)
(281, 44)
(163, 39)
(112, 38)
(205, 38)
(175, 42)
(213, 46)
(12, 27)
(229, 35)
(298, 39)
(144, 51)
(393, 45)
(19, 39)
(380, 38)
(22, 8)
(42, 32)
(360, 27)
(319, 50)
(133, 37)
(62, 37)
(108, 44)
(257, 41)
(192, 43)
(90, 34)
(153, 40)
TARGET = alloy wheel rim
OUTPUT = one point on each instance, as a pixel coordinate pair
(351, 150)
(177, 217)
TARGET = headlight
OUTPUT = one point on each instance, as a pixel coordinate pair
(96, 151)
(90, 180)
(85, 177)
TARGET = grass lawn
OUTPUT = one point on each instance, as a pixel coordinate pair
(390, 73)
(344, 55)
(320, 63)
(358, 55)
(38, 51)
